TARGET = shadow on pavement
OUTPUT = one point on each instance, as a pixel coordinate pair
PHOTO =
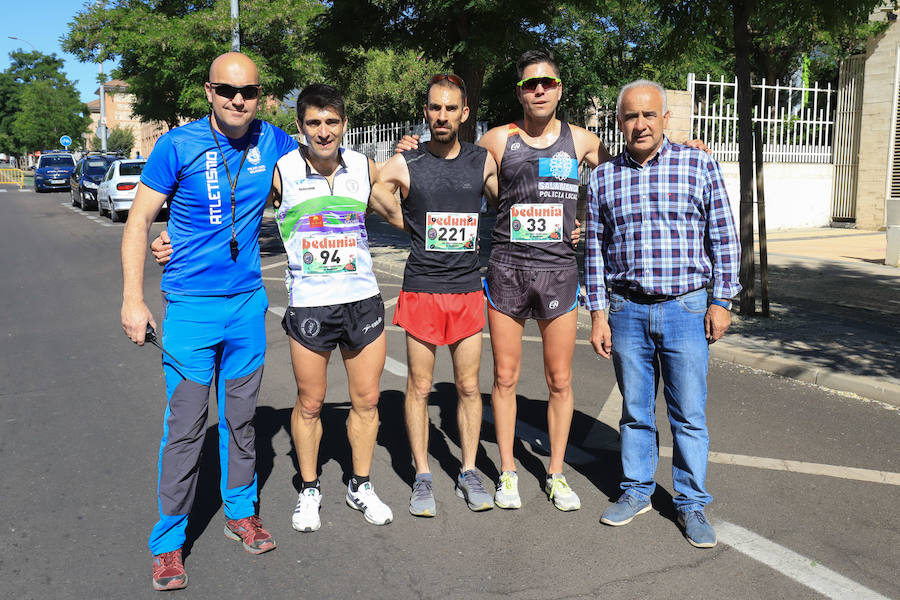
(843, 318)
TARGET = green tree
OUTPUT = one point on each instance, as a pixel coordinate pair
(280, 114)
(465, 35)
(383, 86)
(47, 112)
(602, 47)
(765, 38)
(119, 141)
(165, 47)
(27, 69)
(9, 102)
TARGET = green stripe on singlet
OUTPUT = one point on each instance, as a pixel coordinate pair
(317, 205)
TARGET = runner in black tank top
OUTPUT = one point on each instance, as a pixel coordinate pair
(441, 301)
(526, 235)
(532, 272)
(442, 210)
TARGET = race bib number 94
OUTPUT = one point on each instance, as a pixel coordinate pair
(536, 223)
(450, 232)
(333, 254)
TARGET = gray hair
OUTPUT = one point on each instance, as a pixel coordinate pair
(642, 83)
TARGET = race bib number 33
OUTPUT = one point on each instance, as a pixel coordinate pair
(450, 232)
(333, 254)
(536, 223)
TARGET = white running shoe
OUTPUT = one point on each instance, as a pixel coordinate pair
(306, 514)
(366, 501)
(558, 490)
(507, 495)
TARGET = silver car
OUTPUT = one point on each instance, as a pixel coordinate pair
(116, 192)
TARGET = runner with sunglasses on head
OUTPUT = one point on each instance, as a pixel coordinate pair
(441, 302)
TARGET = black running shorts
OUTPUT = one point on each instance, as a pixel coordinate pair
(527, 294)
(353, 325)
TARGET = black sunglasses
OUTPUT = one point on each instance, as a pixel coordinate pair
(247, 92)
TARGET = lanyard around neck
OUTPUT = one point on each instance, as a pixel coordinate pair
(231, 184)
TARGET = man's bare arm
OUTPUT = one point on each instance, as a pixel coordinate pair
(587, 145)
(135, 314)
(393, 175)
(491, 181)
(494, 141)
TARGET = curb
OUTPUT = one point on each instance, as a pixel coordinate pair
(882, 390)
(393, 262)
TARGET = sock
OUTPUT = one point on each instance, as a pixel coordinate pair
(423, 476)
(356, 481)
(310, 484)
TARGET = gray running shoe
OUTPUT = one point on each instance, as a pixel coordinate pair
(507, 495)
(469, 486)
(421, 503)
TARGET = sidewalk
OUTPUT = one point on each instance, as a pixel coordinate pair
(835, 309)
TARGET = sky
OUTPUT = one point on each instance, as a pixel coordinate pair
(42, 24)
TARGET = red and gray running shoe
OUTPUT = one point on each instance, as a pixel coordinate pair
(168, 571)
(250, 531)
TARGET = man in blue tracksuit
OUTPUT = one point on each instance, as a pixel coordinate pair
(216, 173)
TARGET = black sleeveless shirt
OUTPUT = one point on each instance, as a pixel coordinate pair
(442, 211)
(537, 176)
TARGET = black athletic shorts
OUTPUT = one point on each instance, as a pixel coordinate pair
(353, 325)
(527, 294)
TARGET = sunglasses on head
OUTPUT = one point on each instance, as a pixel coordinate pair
(247, 92)
(530, 84)
(449, 77)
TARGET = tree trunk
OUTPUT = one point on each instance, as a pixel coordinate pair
(742, 10)
(473, 75)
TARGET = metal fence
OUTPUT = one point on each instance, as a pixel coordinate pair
(797, 122)
(13, 176)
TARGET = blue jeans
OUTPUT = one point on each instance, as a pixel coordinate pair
(668, 339)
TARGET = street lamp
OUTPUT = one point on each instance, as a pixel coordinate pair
(12, 37)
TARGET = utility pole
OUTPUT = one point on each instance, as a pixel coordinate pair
(235, 27)
(102, 127)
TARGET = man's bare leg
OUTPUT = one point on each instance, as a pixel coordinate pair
(559, 344)
(364, 369)
(466, 356)
(420, 365)
(310, 369)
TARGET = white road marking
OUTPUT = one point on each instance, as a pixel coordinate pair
(281, 279)
(278, 310)
(395, 366)
(389, 303)
(787, 562)
(796, 466)
(536, 437)
(604, 434)
(280, 263)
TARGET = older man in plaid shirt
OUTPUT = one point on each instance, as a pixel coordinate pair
(659, 228)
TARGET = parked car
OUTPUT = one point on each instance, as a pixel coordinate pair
(116, 192)
(53, 171)
(87, 176)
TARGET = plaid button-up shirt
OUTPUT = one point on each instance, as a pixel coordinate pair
(662, 228)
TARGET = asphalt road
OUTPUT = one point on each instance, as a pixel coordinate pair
(81, 414)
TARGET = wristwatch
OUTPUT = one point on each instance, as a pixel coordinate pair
(724, 303)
